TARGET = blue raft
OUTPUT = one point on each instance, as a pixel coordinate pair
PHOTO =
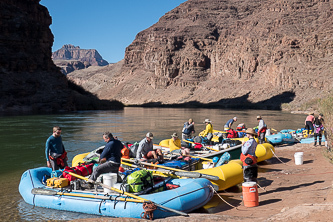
(311, 139)
(281, 138)
(192, 194)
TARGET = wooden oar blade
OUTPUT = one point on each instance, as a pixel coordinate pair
(188, 174)
(42, 191)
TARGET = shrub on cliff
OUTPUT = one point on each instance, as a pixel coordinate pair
(325, 107)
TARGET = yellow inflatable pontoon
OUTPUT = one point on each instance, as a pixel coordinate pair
(229, 174)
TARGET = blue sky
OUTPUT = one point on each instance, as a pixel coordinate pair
(108, 26)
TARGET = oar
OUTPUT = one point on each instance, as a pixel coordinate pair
(129, 194)
(178, 173)
(42, 191)
(193, 174)
(202, 158)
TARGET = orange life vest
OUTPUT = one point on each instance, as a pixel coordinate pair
(244, 157)
(60, 159)
(125, 153)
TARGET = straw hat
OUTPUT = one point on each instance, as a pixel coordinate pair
(207, 121)
(250, 131)
(258, 117)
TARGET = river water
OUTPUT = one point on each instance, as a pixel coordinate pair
(22, 142)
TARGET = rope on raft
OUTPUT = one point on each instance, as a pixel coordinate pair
(223, 199)
(149, 211)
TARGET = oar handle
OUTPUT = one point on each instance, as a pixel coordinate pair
(184, 174)
(154, 165)
(42, 191)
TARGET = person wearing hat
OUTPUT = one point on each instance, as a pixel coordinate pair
(248, 157)
(188, 130)
(175, 145)
(208, 132)
(146, 149)
(309, 123)
(262, 127)
(229, 123)
(318, 128)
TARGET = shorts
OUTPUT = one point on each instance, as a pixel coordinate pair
(149, 155)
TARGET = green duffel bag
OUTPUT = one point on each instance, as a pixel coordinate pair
(140, 180)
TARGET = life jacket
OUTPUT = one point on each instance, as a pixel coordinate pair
(60, 159)
(186, 130)
(263, 130)
(232, 133)
(248, 159)
(125, 153)
(240, 127)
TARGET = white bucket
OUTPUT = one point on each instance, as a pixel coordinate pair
(109, 179)
(298, 158)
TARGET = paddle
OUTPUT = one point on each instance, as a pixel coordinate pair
(128, 194)
(190, 174)
(42, 191)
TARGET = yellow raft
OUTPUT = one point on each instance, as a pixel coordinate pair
(216, 138)
(229, 174)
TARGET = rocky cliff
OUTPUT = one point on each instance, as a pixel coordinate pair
(70, 58)
(229, 53)
(30, 82)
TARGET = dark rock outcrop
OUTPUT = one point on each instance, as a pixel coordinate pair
(30, 82)
(214, 51)
(70, 58)
(68, 66)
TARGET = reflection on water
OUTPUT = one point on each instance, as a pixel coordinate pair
(23, 138)
(31, 213)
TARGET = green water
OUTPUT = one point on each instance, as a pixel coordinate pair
(22, 142)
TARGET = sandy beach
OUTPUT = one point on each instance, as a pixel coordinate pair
(287, 192)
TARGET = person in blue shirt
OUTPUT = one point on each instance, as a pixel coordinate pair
(188, 130)
(229, 123)
(110, 157)
(56, 156)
